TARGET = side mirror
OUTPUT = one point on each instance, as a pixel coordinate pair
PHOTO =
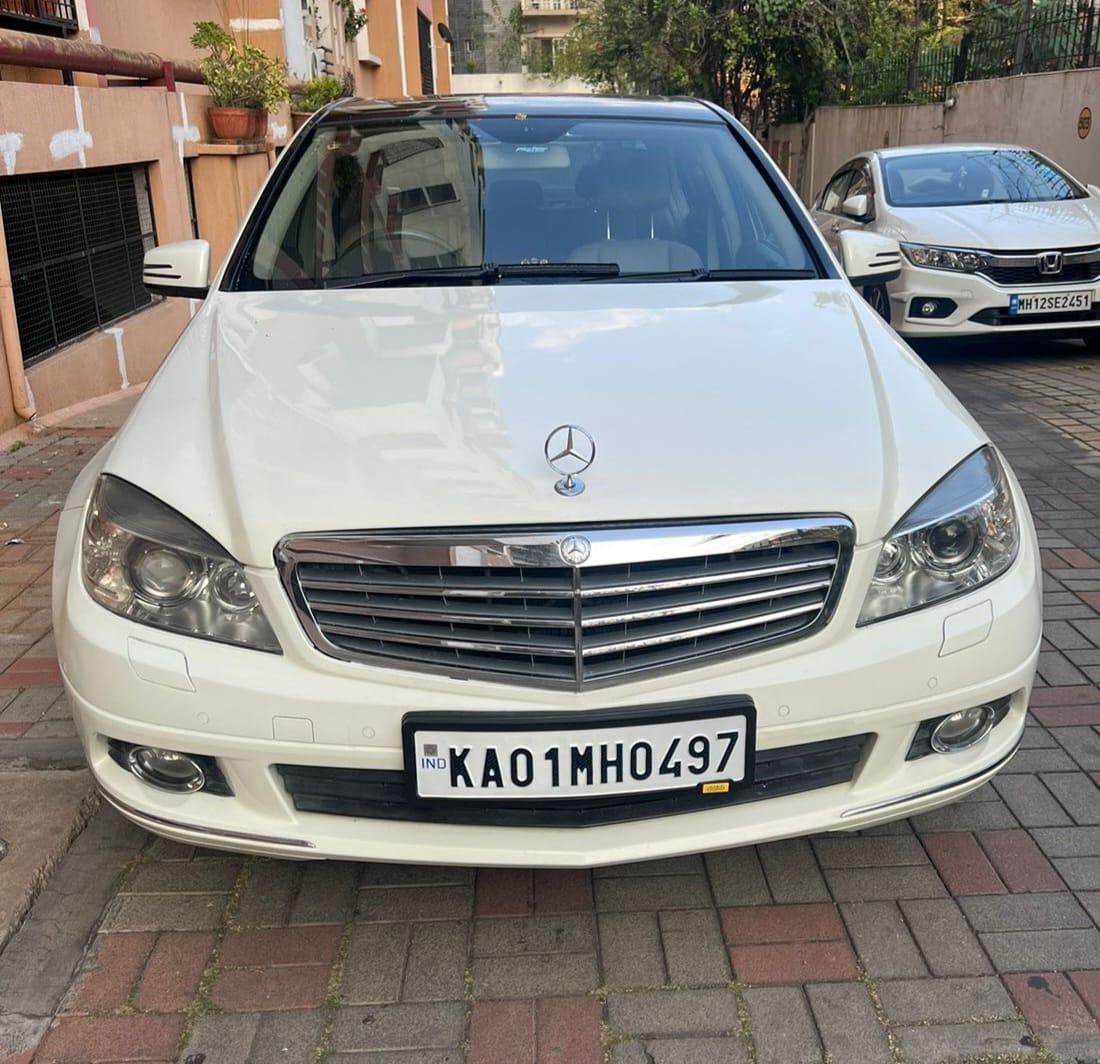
(858, 207)
(1093, 190)
(868, 258)
(181, 269)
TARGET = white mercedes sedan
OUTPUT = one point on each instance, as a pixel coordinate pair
(995, 239)
(532, 488)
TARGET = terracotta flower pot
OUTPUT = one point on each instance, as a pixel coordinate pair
(259, 125)
(236, 123)
(299, 119)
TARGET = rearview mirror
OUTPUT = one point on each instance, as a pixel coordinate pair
(858, 206)
(868, 258)
(181, 269)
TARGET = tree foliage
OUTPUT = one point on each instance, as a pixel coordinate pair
(760, 58)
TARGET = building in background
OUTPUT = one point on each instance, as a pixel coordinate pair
(509, 36)
(95, 169)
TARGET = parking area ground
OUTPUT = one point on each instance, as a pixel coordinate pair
(968, 934)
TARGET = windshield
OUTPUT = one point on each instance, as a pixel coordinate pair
(437, 200)
(957, 178)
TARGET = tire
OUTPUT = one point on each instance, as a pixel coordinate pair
(877, 296)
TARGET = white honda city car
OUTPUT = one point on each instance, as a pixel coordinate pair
(995, 239)
(532, 488)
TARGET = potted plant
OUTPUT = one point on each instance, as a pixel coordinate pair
(246, 84)
(313, 96)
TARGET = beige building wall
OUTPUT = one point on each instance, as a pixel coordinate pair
(165, 26)
(1040, 111)
(122, 126)
(388, 50)
(169, 132)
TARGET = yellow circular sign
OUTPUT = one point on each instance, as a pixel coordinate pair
(1084, 122)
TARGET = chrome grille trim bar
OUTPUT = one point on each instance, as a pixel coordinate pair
(595, 649)
(504, 606)
(702, 605)
(1031, 258)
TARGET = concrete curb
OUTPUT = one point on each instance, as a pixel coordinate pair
(43, 812)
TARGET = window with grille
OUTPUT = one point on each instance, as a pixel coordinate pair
(75, 242)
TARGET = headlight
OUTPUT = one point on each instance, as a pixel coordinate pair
(957, 259)
(963, 533)
(143, 560)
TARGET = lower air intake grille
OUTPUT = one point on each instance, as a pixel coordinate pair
(568, 609)
(385, 795)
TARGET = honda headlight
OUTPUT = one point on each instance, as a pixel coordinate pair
(958, 259)
(963, 533)
(143, 560)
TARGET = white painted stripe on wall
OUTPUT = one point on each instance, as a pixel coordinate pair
(184, 133)
(255, 24)
(401, 48)
(116, 333)
(66, 142)
(11, 144)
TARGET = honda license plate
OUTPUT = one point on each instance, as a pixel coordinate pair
(1049, 302)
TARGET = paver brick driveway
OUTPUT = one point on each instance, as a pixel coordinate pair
(968, 934)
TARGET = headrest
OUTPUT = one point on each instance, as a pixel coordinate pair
(627, 179)
(514, 195)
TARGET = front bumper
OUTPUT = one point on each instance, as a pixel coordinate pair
(975, 296)
(253, 711)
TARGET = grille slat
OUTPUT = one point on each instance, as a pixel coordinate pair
(540, 643)
(647, 598)
(672, 606)
(706, 579)
(446, 612)
(669, 633)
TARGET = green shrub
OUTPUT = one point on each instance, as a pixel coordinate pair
(317, 93)
(239, 76)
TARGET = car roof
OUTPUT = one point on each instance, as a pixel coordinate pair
(561, 105)
(938, 149)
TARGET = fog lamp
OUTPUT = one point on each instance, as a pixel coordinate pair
(962, 730)
(166, 769)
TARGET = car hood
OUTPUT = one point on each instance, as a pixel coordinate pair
(1003, 226)
(408, 408)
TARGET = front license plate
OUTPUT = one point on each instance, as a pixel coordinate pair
(486, 756)
(1048, 302)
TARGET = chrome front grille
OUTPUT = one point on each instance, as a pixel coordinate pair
(1077, 266)
(508, 606)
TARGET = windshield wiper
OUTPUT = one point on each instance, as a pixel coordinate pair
(558, 269)
(701, 274)
(434, 275)
(487, 273)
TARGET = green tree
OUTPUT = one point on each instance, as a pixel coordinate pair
(761, 58)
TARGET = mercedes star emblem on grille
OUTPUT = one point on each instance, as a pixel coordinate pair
(575, 550)
(569, 451)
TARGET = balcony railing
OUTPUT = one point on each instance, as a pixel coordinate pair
(549, 7)
(55, 17)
